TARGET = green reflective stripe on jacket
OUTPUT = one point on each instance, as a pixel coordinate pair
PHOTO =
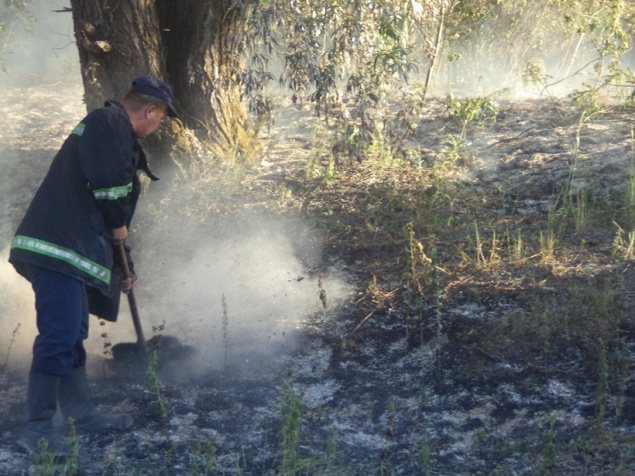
(49, 249)
(113, 193)
(79, 129)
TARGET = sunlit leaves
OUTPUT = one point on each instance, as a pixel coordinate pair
(353, 50)
(328, 42)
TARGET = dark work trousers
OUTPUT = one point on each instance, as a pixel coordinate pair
(62, 321)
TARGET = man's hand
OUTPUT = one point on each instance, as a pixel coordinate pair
(120, 234)
(129, 283)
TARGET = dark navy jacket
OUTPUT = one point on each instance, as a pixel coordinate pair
(90, 188)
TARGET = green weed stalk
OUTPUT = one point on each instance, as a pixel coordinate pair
(225, 330)
(46, 462)
(486, 260)
(424, 456)
(629, 186)
(549, 450)
(471, 110)
(206, 455)
(71, 465)
(449, 159)
(154, 386)
(9, 347)
(515, 246)
(623, 243)
(547, 241)
(331, 455)
(292, 411)
(420, 281)
(601, 391)
(437, 293)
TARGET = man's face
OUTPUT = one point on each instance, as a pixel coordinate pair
(152, 117)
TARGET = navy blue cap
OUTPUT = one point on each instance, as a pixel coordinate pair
(154, 87)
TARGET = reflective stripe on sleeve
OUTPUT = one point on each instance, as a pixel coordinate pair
(79, 129)
(54, 251)
(113, 193)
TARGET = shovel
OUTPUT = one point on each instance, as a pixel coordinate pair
(127, 349)
(169, 347)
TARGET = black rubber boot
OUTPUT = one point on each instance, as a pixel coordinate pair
(74, 400)
(41, 406)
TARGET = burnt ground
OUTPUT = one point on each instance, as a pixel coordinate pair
(501, 357)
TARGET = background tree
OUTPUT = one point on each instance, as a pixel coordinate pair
(200, 46)
(342, 55)
(500, 39)
(195, 45)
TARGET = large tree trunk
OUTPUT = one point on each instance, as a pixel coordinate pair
(117, 41)
(192, 44)
(204, 60)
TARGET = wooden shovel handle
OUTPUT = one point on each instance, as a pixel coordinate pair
(123, 259)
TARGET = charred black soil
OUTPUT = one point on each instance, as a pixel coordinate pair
(486, 328)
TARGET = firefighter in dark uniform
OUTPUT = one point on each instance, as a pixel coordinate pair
(64, 247)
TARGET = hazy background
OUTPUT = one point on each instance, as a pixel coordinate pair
(42, 50)
(266, 267)
(263, 266)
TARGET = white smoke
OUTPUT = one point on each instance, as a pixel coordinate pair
(17, 323)
(238, 289)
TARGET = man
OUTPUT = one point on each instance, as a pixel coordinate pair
(64, 247)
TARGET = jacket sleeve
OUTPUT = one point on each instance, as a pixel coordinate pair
(105, 151)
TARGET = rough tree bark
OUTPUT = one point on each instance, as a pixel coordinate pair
(117, 41)
(192, 44)
(204, 61)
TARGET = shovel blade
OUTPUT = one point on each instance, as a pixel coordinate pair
(169, 348)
